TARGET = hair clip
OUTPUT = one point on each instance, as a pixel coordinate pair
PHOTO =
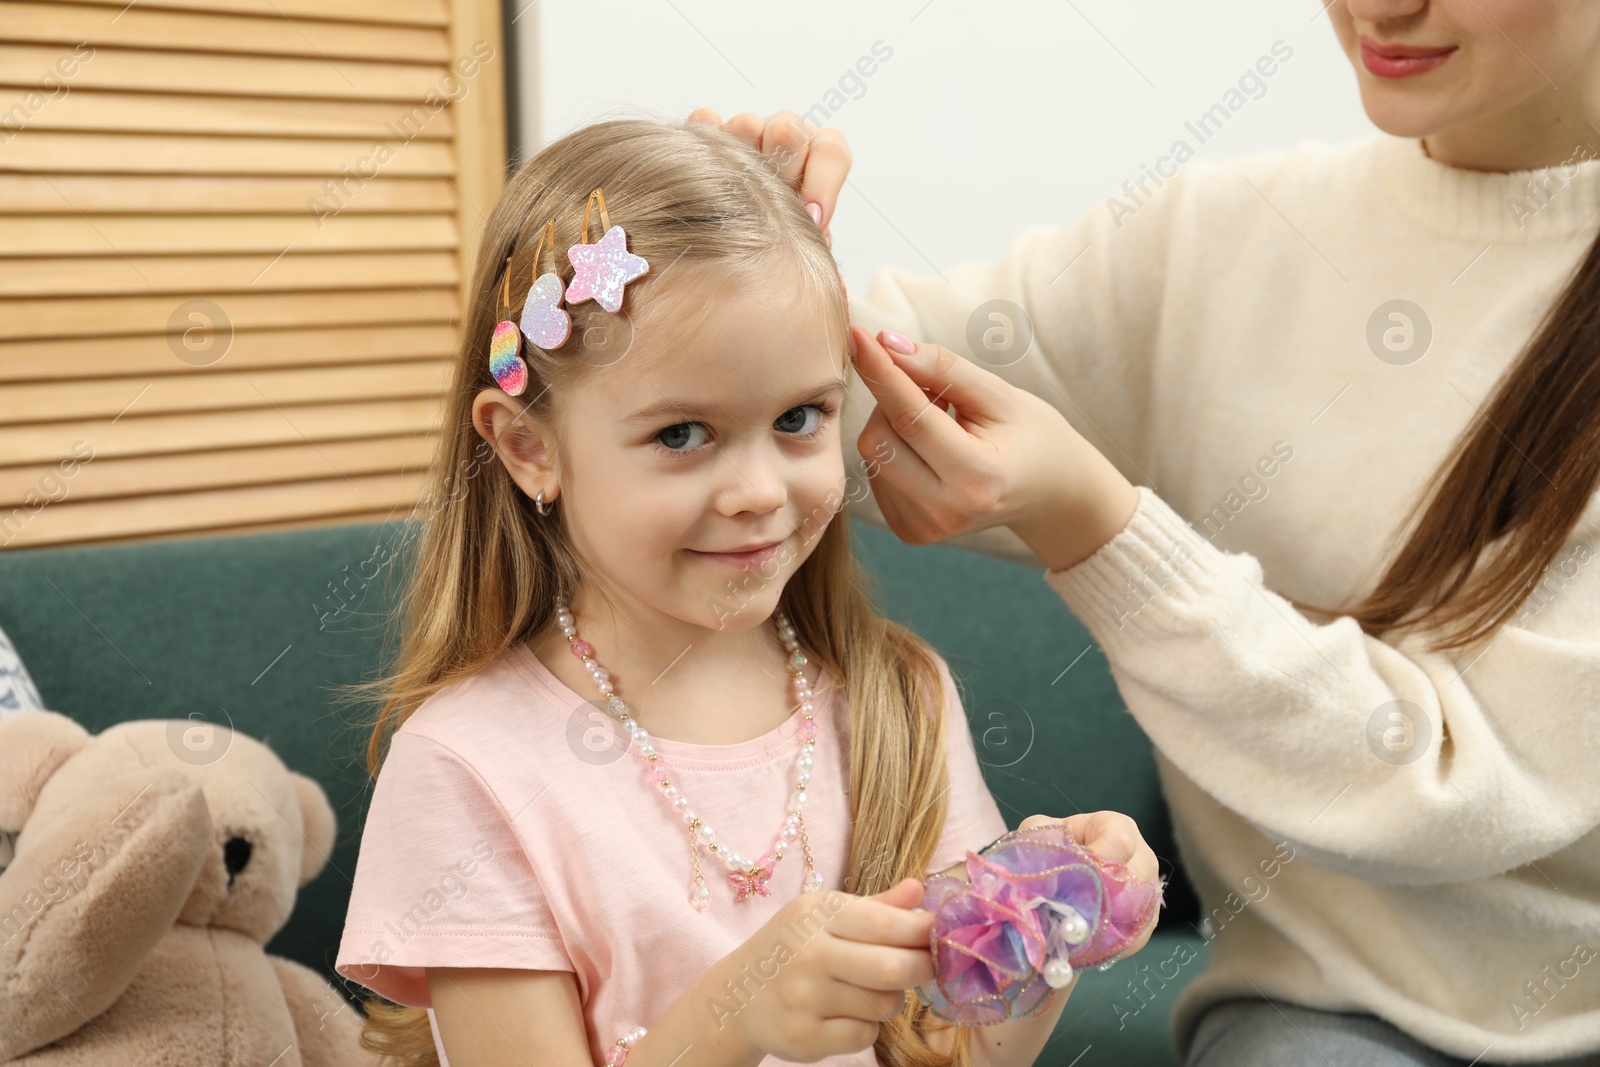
(544, 321)
(603, 269)
(510, 372)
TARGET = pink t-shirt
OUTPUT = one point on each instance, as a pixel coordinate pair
(505, 832)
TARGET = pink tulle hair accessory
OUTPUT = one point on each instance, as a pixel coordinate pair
(1038, 907)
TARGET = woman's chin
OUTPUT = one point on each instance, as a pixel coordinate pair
(1400, 115)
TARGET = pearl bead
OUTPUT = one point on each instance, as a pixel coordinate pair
(680, 802)
(671, 791)
(1058, 973)
(1074, 927)
(647, 751)
(806, 763)
(688, 816)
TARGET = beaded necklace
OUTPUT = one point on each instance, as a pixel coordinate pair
(748, 878)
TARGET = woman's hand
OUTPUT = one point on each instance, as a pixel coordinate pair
(1115, 837)
(827, 969)
(1006, 458)
(813, 161)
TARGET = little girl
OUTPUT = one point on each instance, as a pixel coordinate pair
(656, 780)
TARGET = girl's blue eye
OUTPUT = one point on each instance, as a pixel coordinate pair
(671, 439)
(674, 439)
(796, 430)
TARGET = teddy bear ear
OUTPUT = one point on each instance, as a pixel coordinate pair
(319, 824)
(33, 745)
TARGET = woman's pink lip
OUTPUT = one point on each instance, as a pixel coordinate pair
(1401, 61)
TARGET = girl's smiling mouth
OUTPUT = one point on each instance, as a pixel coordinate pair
(754, 557)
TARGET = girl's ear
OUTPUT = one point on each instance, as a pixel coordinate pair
(524, 445)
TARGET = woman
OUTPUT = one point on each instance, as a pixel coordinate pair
(1310, 441)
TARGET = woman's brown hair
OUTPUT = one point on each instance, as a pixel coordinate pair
(1513, 490)
(485, 566)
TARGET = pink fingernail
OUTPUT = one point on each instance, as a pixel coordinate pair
(895, 343)
(814, 209)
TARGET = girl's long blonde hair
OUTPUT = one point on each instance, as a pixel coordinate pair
(485, 566)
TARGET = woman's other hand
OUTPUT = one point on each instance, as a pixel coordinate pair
(814, 161)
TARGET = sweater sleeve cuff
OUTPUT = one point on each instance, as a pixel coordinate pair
(1157, 576)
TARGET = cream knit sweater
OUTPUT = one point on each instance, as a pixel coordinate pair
(1225, 341)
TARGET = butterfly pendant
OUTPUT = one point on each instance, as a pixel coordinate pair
(751, 882)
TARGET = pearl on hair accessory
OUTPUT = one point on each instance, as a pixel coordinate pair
(748, 878)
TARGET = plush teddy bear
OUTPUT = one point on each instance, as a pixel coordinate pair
(154, 862)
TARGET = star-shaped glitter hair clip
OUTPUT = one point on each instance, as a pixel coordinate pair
(604, 268)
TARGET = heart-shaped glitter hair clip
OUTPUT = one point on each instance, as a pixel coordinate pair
(544, 321)
(603, 269)
(510, 372)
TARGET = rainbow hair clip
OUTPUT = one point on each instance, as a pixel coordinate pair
(1038, 907)
(602, 271)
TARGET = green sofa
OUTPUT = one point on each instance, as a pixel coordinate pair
(256, 630)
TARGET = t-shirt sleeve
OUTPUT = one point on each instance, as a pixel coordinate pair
(441, 880)
(973, 819)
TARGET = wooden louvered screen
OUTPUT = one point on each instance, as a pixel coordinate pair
(300, 174)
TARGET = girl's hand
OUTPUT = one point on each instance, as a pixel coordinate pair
(814, 162)
(1005, 458)
(827, 969)
(1116, 837)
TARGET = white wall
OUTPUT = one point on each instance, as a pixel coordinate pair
(984, 119)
